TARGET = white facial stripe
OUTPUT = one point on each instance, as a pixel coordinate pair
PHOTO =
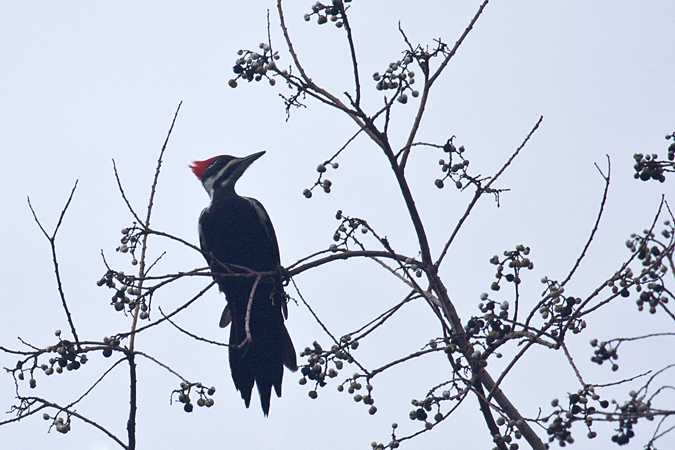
(208, 183)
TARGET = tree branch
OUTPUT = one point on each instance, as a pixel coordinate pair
(52, 243)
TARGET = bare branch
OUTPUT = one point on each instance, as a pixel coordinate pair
(294, 269)
(124, 196)
(311, 311)
(146, 225)
(597, 221)
(47, 404)
(52, 243)
(381, 369)
(193, 336)
(173, 313)
(247, 322)
(511, 411)
(570, 360)
(429, 81)
(352, 52)
(91, 388)
(482, 190)
(162, 365)
(520, 147)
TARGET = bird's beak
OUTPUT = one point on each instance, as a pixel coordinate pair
(240, 165)
(248, 160)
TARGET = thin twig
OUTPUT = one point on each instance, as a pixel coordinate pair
(657, 261)
(482, 190)
(146, 225)
(460, 399)
(429, 81)
(508, 368)
(571, 361)
(625, 380)
(247, 322)
(352, 52)
(597, 221)
(52, 243)
(173, 313)
(124, 196)
(311, 311)
(47, 404)
(658, 435)
(520, 147)
(325, 329)
(161, 364)
(193, 336)
(404, 359)
(343, 254)
(91, 388)
(383, 317)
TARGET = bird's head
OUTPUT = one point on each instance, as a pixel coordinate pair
(222, 172)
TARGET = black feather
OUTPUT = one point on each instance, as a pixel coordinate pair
(238, 232)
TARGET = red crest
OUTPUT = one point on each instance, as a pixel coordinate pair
(199, 167)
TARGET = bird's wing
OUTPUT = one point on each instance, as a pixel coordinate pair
(226, 317)
(267, 225)
(202, 239)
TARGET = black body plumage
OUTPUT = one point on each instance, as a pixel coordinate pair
(238, 233)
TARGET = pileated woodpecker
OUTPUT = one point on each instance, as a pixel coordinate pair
(237, 238)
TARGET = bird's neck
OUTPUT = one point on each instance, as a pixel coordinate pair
(223, 193)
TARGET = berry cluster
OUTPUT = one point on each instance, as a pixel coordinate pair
(629, 413)
(579, 409)
(671, 147)
(366, 399)
(653, 253)
(557, 304)
(66, 358)
(120, 299)
(111, 342)
(252, 65)
(455, 171)
(130, 239)
(652, 297)
(399, 78)
(492, 325)
(335, 12)
(560, 307)
(649, 167)
(413, 266)
(428, 409)
(205, 395)
(604, 352)
(61, 425)
(325, 184)
(422, 407)
(347, 230)
(620, 282)
(513, 259)
(322, 364)
(510, 432)
(394, 443)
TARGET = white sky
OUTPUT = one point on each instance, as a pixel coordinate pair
(84, 82)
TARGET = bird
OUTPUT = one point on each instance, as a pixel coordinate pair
(237, 238)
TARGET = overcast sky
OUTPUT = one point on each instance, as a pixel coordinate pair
(82, 83)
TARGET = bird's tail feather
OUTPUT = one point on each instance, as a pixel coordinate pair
(260, 361)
